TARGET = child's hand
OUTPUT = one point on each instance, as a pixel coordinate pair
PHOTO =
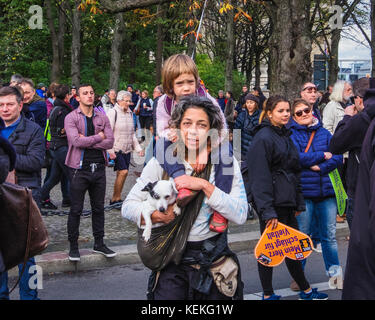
(172, 135)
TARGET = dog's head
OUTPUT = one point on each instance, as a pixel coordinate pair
(162, 193)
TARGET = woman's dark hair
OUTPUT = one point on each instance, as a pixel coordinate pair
(325, 98)
(270, 104)
(297, 102)
(231, 94)
(52, 89)
(212, 111)
(61, 91)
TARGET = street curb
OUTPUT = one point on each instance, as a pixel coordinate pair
(57, 262)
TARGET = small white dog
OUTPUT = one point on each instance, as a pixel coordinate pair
(160, 194)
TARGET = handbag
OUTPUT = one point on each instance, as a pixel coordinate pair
(23, 233)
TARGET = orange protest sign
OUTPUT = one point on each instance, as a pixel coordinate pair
(275, 245)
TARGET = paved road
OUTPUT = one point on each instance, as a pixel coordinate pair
(129, 282)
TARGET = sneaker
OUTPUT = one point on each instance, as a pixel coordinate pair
(250, 212)
(104, 250)
(185, 196)
(74, 254)
(47, 204)
(65, 203)
(272, 297)
(218, 223)
(318, 248)
(313, 295)
(116, 204)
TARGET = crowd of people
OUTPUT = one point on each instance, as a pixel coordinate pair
(287, 150)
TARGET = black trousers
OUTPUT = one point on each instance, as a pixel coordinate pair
(175, 284)
(295, 269)
(95, 183)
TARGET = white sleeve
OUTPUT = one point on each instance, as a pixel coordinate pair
(232, 206)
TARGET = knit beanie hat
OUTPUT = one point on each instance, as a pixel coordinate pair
(252, 97)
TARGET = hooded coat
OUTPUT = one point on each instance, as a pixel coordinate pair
(272, 150)
(247, 123)
(359, 281)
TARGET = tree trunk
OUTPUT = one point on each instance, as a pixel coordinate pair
(117, 41)
(76, 44)
(333, 60)
(290, 47)
(230, 51)
(63, 9)
(55, 67)
(190, 45)
(373, 37)
(159, 46)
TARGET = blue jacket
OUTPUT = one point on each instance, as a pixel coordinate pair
(315, 184)
(36, 111)
(246, 123)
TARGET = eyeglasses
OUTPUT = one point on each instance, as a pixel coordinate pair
(300, 112)
(310, 89)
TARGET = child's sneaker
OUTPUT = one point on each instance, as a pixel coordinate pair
(185, 196)
(272, 297)
(218, 223)
(313, 295)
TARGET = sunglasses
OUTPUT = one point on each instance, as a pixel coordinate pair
(300, 112)
(310, 89)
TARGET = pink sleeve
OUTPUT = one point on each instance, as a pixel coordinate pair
(72, 134)
(162, 118)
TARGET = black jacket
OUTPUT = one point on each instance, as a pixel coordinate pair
(56, 123)
(359, 282)
(29, 144)
(348, 136)
(247, 123)
(271, 152)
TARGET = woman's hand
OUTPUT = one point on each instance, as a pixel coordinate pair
(141, 153)
(172, 135)
(273, 223)
(315, 168)
(189, 182)
(112, 156)
(327, 155)
(161, 217)
(193, 183)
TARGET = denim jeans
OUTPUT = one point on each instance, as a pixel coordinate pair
(325, 214)
(26, 293)
(59, 171)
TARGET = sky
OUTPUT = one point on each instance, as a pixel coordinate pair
(349, 49)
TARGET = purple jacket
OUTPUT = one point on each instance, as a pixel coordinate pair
(75, 124)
